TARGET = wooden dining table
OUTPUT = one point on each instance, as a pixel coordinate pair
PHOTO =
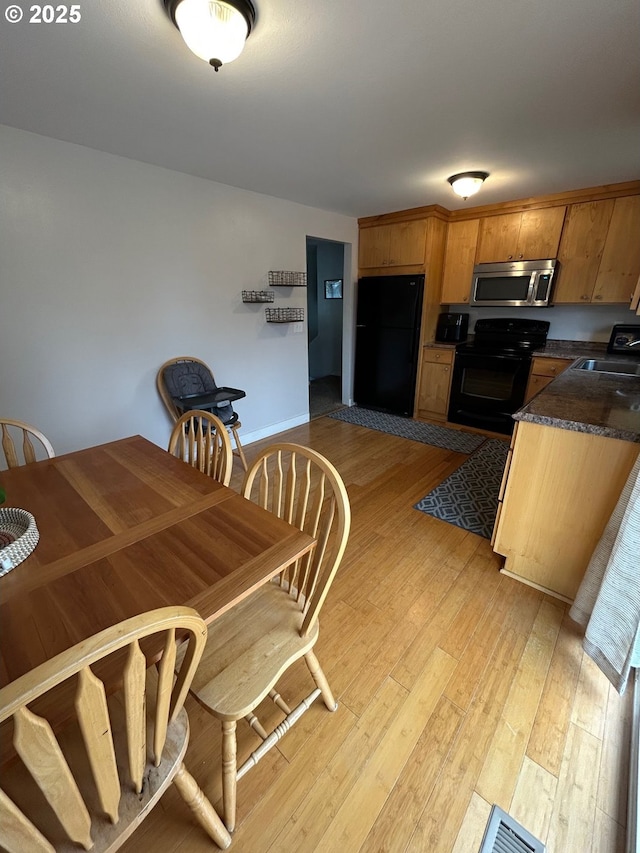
(125, 528)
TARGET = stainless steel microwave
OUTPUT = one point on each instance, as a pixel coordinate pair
(513, 283)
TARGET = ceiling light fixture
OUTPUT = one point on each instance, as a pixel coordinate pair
(467, 183)
(215, 30)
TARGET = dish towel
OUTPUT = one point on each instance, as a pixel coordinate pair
(608, 600)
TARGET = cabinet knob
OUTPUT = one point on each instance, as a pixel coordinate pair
(584, 296)
(521, 256)
(510, 257)
(599, 296)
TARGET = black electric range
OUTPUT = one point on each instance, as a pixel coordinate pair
(491, 372)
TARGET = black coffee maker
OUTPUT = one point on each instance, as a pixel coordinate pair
(452, 328)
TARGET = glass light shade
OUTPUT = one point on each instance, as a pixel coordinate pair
(467, 183)
(213, 30)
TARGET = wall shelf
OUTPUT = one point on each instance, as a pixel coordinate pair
(258, 295)
(287, 278)
(284, 315)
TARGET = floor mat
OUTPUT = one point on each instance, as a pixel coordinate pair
(438, 436)
(468, 498)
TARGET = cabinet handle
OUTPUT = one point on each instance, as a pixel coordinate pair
(466, 298)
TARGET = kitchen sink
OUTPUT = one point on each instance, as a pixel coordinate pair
(620, 368)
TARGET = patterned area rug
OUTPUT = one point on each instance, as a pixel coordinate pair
(468, 498)
(448, 439)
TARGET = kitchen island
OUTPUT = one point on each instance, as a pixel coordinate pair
(572, 450)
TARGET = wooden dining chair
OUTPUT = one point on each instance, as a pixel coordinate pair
(250, 647)
(90, 784)
(26, 433)
(201, 440)
(203, 381)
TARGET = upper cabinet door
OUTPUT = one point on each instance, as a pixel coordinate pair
(524, 236)
(459, 260)
(540, 233)
(407, 243)
(620, 264)
(374, 246)
(498, 239)
(581, 247)
(395, 245)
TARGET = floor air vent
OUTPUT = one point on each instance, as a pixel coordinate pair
(505, 835)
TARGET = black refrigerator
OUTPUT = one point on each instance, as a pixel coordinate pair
(389, 310)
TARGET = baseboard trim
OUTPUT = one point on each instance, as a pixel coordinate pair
(272, 429)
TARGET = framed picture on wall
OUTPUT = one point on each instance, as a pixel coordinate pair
(333, 288)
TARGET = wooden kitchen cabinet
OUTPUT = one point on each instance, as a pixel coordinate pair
(560, 490)
(395, 244)
(599, 252)
(620, 264)
(459, 260)
(435, 383)
(525, 236)
(543, 371)
(581, 247)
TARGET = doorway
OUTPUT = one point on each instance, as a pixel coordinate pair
(325, 285)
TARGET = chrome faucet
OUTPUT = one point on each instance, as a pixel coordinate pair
(635, 343)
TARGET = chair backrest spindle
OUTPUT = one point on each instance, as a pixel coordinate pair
(93, 717)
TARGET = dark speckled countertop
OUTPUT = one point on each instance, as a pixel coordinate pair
(584, 401)
(571, 349)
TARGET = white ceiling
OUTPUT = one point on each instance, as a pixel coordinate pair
(356, 107)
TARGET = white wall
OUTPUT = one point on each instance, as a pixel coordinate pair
(109, 267)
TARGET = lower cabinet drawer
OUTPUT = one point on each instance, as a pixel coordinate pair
(550, 366)
(437, 356)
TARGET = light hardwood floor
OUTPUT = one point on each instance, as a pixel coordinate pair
(457, 687)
